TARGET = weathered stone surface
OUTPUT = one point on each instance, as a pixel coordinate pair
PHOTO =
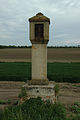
(39, 63)
(46, 92)
(39, 18)
(45, 33)
(39, 86)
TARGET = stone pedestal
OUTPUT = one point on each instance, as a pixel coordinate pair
(46, 92)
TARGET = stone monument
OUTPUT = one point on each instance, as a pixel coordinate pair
(39, 86)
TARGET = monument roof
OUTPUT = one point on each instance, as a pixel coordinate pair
(39, 18)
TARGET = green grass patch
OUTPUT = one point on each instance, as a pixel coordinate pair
(36, 109)
(76, 85)
(5, 101)
(15, 71)
(75, 108)
(21, 71)
(64, 72)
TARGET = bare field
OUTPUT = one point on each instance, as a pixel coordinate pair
(68, 94)
(54, 55)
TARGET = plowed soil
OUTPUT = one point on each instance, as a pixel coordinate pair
(54, 55)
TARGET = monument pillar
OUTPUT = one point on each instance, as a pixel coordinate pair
(39, 37)
(39, 64)
(39, 86)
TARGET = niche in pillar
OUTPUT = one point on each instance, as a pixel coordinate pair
(39, 29)
(39, 32)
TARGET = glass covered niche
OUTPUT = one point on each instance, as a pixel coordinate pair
(39, 31)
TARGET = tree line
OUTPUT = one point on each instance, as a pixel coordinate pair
(14, 46)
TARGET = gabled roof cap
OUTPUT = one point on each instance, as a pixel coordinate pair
(39, 18)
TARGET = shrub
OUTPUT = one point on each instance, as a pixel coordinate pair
(35, 109)
(76, 108)
(23, 93)
(76, 117)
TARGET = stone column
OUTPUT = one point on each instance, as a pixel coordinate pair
(39, 86)
(39, 64)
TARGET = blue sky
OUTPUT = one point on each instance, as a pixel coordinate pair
(64, 17)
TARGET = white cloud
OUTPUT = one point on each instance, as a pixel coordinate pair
(64, 15)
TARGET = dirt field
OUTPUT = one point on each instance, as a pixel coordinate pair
(54, 55)
(68, 94)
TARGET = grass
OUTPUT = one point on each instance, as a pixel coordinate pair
(64, 72)
(36, 109)
(75, 108)
(21, 71)
(5, 101)
(22, 93)
(15, 71)
(76, 85)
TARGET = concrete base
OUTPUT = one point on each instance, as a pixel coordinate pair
(46, 92)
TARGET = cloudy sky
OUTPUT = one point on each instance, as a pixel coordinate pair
(64, 17)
